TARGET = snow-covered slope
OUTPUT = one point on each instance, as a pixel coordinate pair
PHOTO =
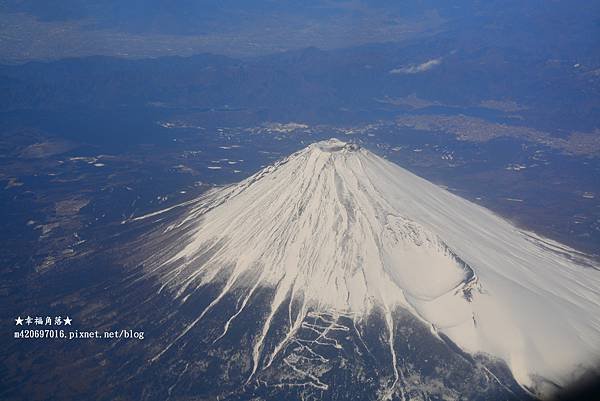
(335, 227)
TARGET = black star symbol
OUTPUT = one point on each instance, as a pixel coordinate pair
(19, 321)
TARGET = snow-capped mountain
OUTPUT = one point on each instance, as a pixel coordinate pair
(334, 233)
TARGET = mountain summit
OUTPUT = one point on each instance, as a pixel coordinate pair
(336, 232)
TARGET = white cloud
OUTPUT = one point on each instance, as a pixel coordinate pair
(417, 68)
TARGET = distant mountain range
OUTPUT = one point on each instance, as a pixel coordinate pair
(320, 86)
